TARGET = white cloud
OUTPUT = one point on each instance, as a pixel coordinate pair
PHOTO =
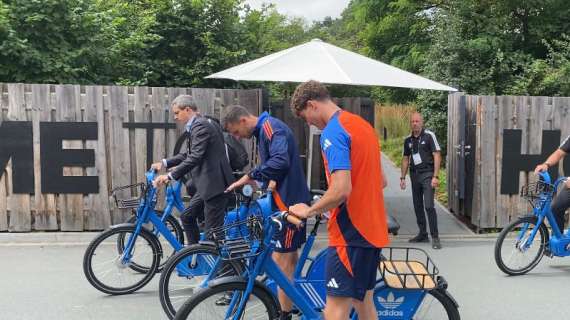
(311, 10)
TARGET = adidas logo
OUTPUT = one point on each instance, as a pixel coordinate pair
(278, 244)
(391, 302)
(332, 284)
(326, 144)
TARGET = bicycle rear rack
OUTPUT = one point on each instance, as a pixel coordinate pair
(408, 268)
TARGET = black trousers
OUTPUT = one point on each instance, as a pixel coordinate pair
(423, 197)
(559, 205)
(213, 210)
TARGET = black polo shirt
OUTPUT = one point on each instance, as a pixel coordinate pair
(425, 145)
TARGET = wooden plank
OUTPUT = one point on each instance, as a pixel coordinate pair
(487, 185)
(506, 121)
(68, 109)
(451, 106)
(141, 114)
(96, 207)
(18, 205)
(45, 213)
(204, 98)
(158, 108)
(3, 180)
(116, 102)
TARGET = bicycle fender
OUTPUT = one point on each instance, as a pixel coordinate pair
(447, 294)
(124, 224)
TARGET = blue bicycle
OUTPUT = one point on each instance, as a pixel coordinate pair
(522, 244)
(410, 287)
(192, 267)
(126, 257)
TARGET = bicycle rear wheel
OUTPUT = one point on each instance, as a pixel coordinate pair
(105, 269)
(515, 253)
(202, 306)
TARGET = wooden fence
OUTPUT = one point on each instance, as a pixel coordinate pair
(358, 105)
(493, 144)
(115, 121)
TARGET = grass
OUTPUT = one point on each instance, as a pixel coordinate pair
(395, 118)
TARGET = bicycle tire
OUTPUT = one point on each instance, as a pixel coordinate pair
(174, 225)
(90, 253)
(170, 270)
(191, 308)
(447, 302)
(542, 233)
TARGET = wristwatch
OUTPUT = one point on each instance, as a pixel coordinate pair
(402, 178)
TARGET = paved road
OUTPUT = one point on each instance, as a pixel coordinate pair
(47, 282)
(41, 275)
(399, 204)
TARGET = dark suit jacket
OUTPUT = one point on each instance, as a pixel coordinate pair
(205, 160)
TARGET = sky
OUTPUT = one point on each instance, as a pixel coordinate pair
(311, 10)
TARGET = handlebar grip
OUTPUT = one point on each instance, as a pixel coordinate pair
(294, 220)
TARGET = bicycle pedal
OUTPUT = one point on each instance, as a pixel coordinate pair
(548, 253)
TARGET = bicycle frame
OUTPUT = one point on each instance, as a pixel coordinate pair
(265, 264)
(544, 211)
(146, 213)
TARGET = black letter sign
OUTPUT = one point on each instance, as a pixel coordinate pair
(514, 161)
(54, 157)
(16, 142)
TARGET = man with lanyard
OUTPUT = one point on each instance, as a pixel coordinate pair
(207, 163)
(562, 200)
(422, 155)
(281, 163)
(357, 225)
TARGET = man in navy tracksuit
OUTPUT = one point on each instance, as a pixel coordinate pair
(281, 163)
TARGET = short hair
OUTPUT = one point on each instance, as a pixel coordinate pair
(310, 90)
(233, 114)
(414, 113)
(184, 101)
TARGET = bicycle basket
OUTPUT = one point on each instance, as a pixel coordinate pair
(534, 190)
(238, 240)
(128, 197)
(407, 268)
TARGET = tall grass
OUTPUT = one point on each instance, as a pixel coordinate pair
(395, 118)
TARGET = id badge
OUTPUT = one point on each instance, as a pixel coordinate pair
(417, 159)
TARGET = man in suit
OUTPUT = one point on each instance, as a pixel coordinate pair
(207, 164)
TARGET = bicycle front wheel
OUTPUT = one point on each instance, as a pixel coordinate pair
(516, 253)
(185, 271)
(167, 250)
(205, 304)
(108, 271)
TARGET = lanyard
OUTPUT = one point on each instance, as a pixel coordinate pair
(418, 145)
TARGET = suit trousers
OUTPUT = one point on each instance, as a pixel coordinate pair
(213, 210)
